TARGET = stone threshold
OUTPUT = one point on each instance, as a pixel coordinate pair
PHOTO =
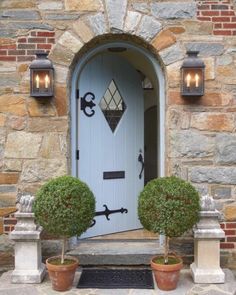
(115, 252)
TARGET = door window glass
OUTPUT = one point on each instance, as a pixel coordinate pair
(112, 105)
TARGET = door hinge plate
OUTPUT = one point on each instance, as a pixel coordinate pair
(77, 154)
(77, 93)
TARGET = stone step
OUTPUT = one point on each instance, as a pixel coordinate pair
(116, 252)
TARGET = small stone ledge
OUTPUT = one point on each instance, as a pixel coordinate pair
(23, 235)
(28, 276)
(207, 276)
(209, 234)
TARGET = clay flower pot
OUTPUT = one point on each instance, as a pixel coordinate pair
(62, 276)
(167, 276)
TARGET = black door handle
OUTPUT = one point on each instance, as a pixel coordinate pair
(140, 159)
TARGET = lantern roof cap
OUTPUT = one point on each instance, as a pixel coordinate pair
(193, 61)
(41, 61)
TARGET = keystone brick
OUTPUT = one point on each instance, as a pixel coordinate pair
(116, 10)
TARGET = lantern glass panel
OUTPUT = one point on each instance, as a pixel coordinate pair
(42, 82)
(192, 81)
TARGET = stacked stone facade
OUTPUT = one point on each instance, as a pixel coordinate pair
(200, 132)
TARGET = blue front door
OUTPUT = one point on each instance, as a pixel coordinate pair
(111, 140)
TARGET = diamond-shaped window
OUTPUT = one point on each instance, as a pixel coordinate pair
(112, 105)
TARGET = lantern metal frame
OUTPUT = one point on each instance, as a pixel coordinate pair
(41, 68)
(194, 67)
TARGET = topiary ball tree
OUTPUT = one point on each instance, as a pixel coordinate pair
(64, 206)
(168, 206)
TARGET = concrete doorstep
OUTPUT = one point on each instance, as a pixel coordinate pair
(103, 252)
(185, 287)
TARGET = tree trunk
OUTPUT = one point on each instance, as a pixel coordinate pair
(166, 250)
(63, 250)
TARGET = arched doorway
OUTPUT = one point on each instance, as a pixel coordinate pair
(108, 135)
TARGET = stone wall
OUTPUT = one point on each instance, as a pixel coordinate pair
(200, 133)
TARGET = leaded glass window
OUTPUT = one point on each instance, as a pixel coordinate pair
(112, 105)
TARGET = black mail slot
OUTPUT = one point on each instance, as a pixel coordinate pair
(113, 174)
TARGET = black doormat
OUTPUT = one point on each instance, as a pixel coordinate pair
(116, 279)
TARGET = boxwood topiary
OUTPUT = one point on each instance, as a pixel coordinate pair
(168, 206)
(64, 206)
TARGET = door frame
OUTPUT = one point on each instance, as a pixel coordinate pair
(159, 79)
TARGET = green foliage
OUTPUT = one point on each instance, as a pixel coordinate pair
(65, 206)
(169, 206)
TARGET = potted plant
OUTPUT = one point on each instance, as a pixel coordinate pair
(169, 206)
(65, 207)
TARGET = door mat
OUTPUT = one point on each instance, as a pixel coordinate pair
(116, 279)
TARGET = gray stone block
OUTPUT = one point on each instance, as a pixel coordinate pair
(141, 7)
(206, 48)
(172, 54)
(190, 144)
(20, 15)
(221, 192)
(28, 26)
(132, 20)
(172, 10)
(7, 188)
(224, 60)
(7, 33)
(62, 56)
(226, 149)
(41, 170)
(116, 10)
(202, 189)
(61, 16)
(225, 175)
(9, 80)
(148, 28)
(50, 5)
(22, 145)
(98, 24)
(116, 253)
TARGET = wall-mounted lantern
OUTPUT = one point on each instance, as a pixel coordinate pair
(192, 75)
(41, 76)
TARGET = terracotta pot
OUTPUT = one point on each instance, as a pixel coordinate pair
(62, 276)
(166, 276)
